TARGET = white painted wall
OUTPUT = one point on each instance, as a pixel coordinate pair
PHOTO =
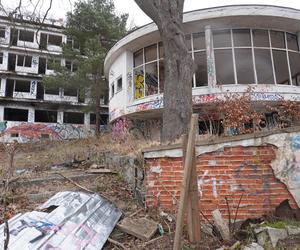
(7, 35)
(2, 86)
(3, 66)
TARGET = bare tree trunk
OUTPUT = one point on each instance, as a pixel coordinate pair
(97, 110)
(167, 14)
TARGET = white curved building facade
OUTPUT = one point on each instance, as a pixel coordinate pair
(233, 47)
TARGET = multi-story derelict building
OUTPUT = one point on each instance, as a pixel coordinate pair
(29, 111)
(233, 47)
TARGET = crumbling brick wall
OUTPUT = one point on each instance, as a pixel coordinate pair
(231, 172)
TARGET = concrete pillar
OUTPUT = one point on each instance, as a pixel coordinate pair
(60, 117)
(211, 68)
(1, 113)
(2, 86)
(31, 115)
(87, 120)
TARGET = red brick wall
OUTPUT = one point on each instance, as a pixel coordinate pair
(228, 173)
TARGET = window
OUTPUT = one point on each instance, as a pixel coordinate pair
(199, 41)
(54, 40)
(45, 116)
(53, 63)
(119, 84)
(244, 66)
(18, 115)
(70, 92)
(224, 66)
(151, 79)
(277, 39)
(103, 119)
(241, 37)
(112, 89)
(263, 65)
(161, 75)
(151, 53)
(292, 41)
(73, 117)
(138, 76)
(222, 38)
(2, 32)
(201, 70)
(295, 67)
(24, 61)
(281, 67)
(69, 65)
(1, 57)
(22, 86)
(138, 58)
(26, 36)
(260, 38)
(52, 91)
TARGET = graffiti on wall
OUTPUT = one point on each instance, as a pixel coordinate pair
(139, 85)
(3, 126)
(259, 96)
(25, 132)
(120, 128)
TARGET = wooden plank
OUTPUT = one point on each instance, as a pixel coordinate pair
(188, 164)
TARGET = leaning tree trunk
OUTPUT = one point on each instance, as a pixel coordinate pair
(167, 14)
(97, 111)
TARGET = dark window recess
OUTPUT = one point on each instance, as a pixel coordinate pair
(69, 41)
(260, 38)
(73, 117)
(43, 41)
(76, 44)
(222, 38)
(151, 53)
(119, 84)
(28, 61)
(92, 118)
(211, 127)
(103, 119)
(45, 136)
(295, 67)
(40, 91)
(201, 70)
(2, 32)
(22, 86)
(52, 91)
(1, 57)
(241, 37)
(138, 58)
(24, 61)
(11, 62)
(14, 135)
(112, 89)
(9, 89)
(70, 92)
(52, 63)
(224, 66)
(69, 65)
(26, 36)
(292, 41)
(54, 40)
(281, 67)
(20, 61)
(18, 115)
(75, 67)
(45, 116)
(263, 65)
(13, 37)
(42, 65)
(199, 41)
(244, 66)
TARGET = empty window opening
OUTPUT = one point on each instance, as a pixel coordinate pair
(22, 86)
(53, 63)
(13, 37)
(73, 117)
(26, 36)
(11, 62)
(40, 91)
(52, 91)
(119, 84)
(1, 57)
(69, 65)
(45, 116)
(70, 92)
(18, 115)
(14, 135)
(103, 119)
(24, 61)
(9, 88)
(43, 41)
(54, 40)
(42, 65)
(2, 32)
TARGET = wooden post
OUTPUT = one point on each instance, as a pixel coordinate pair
(188, 165)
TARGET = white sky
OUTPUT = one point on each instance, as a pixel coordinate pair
(136, 16)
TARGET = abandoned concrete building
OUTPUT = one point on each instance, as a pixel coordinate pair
(233, 47)
(29, 111)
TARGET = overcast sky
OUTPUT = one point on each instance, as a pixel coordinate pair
(136, 16)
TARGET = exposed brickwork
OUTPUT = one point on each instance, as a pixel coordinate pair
(228, 173)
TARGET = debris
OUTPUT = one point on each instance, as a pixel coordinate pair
(160, 229)
(100, 171)
(285, 211)
(76, 220)
(292, 230)
(276, 235)
(221, 225)
(236, 245)
(141, 228)
(117, 243)
(136, 212)
(95, 166)
(253, 246)
(153, 240)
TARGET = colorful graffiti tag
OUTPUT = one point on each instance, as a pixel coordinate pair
(139, 85)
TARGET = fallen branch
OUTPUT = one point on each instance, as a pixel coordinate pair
(136, 212)
(151, 241)
(117, 243)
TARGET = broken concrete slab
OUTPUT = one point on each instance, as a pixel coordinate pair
(141, 228)
(253, 246)
(276, 235)
(221, 225)
(292, 230)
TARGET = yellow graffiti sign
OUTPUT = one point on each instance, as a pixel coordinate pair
(139, 86)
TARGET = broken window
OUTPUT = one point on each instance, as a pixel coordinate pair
(199, 41)
(18, 115)
(138, 76)
(45, 116)
(26, 36)
(1, 57)
(52, 91)
(43, 41)
(281, 67)
(119, 84)
(73, 117)
(260, 38)
(11, 62)
(22, 86)
(2, 32)
(40, 91)
(244, 66)
(277, 39)
(138, 58)
(292, 41)
(295, 67)
(222, 38)
(241, 37)
(42, 65)
(14, 36)
(70, 92)
(9, 88)
(201, 68)
(224, 66)
(263, 65)
(24, 61)
(54, 40)
(151, 79)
